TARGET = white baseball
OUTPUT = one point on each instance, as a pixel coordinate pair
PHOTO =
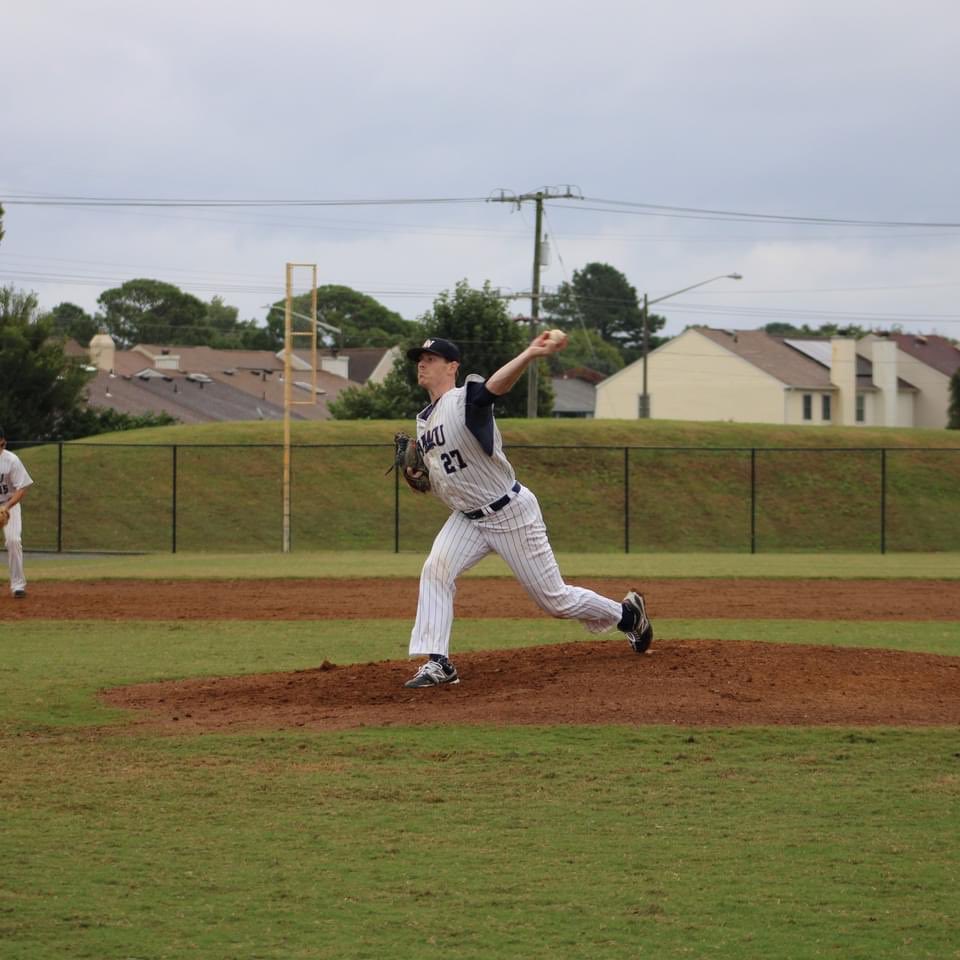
(557, 336)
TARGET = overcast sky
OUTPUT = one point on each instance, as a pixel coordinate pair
(841, 111)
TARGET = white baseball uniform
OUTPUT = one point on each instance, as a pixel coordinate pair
(492, 513)
(13, 477)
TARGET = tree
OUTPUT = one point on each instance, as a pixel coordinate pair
(476, 320)
(89, 421)
(601, 298)
(586, 348)
(1, 221)
(69, 320)
(251, 335)
(44, 395)
(220, 316)
(393, 399)
(150, 311)
(780, 329)
(362, 320)
(953, 413)
(42, 387)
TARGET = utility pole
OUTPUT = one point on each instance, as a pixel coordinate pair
(567, 192)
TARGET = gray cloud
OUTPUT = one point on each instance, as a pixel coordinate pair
(841, 110)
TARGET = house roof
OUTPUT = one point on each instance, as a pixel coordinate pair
(208, 359)
(773, 356)
(587, 374)
(802, 363)
(572, 395)
(209, 385)
(363, 360)
(188, 401)
(935, 351)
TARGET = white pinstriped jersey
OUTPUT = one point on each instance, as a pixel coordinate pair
(462, 447)
(13, 475)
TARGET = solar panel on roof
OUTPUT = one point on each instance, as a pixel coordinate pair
(819, 350)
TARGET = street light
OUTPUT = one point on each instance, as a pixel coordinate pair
(645, 397)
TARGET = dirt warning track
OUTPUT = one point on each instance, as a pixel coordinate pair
(353, 599)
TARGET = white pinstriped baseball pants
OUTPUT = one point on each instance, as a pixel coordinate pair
(11, 536)
(518, 534)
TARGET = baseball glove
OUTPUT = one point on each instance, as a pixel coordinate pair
(4, 516)
(407, 459)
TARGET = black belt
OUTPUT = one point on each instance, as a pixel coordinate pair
(492, 507)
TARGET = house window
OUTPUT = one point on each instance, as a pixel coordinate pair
(808, 406)
(825, 406)
(861, 408)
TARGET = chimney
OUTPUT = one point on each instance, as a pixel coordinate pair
(337, 365)
(885, 379)
(843, 375)
(103, 350)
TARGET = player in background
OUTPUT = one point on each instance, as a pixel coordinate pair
(14, 481)
(491, 512)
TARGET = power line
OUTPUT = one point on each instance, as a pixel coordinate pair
(36, 200)
(611, 206)
(699, 212)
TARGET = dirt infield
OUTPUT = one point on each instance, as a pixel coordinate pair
(346, 599)
(699, 682)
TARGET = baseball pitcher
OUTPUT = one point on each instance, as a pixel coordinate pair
(459, 456)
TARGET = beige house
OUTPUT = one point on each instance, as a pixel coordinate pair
(928, 362)
(750, 376)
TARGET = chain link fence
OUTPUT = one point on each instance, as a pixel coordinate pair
(222, 498)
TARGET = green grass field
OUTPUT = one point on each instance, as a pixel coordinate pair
(460, 842)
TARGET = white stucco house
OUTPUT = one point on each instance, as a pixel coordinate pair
(750, 376)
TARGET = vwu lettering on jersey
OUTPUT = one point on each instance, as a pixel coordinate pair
(432, 438)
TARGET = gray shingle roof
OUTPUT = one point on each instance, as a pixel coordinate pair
(773, 356)
(935, 351)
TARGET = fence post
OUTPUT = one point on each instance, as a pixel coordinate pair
(626, 499)
(396, 511)
(753, 499)
(173, 512)
(883, 500)
(60, 497)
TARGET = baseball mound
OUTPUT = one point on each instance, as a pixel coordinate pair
(689, 683)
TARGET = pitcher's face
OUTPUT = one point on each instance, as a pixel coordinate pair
(435, 373)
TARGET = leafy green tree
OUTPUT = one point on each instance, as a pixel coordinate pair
(150, 311)
(394, 398)
(220, 316)
(44, 395)
(42, 387)
(586, 348)
(90, 421)
(251, 335)
(953, 413)
(600, 298)
(478, 322)
(362, 320)
(780, 329)
(1, 221)
(72, 321)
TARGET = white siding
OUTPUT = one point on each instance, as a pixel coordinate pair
(693, 378)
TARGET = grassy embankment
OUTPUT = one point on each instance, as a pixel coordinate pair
(229, 493)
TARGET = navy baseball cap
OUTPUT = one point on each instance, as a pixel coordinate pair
(442, 348)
